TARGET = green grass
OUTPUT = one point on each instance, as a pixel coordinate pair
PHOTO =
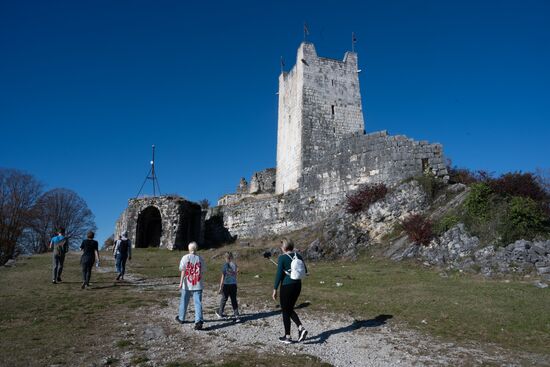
(43, 324)
(246, 359)
(460, 308)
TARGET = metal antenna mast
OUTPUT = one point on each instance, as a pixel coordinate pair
(151, 175)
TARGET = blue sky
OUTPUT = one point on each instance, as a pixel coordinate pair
(87, 86)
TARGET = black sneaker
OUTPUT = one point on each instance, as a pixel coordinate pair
(54, 282)
(198, 325)
(178, 320)
(59, 280)
(302, 334)
(285, 340)
(220, 315)
(83, 286)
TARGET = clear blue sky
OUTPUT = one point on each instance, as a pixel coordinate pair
(87, 86)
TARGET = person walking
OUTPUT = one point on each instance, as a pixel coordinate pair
(60, 245)
(192, 268)
(228, 286)
(122, 252)
(290, 270)
(90, 255)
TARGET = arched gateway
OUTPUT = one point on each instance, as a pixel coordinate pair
(161, 221)
(149, 228)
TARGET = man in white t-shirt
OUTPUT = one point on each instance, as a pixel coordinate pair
(192, 268)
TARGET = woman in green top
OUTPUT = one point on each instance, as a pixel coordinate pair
(290, 291)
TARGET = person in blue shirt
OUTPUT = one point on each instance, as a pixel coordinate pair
(60, 245)
(289, 291)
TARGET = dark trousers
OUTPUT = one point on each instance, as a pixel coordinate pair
(121, 263)
(87, 266)
(229, 291)
(288, 296)
(57, 263)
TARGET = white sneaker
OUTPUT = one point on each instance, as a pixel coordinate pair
(220, 316)
(285, 340)
(302, 334)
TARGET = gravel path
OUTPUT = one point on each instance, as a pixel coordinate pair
(334, 339)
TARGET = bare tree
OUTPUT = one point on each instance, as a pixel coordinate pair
(18, 194)
(204, 203)
(543, 177)
(61, 208)
(109, 242)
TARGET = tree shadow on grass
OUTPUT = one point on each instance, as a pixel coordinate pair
(250, 317)
(113, 285)
(356, 325)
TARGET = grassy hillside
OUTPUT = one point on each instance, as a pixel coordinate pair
(43, 324)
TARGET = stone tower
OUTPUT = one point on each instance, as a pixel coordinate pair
(319, 102)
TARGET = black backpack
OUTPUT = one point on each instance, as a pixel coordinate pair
(123, 246)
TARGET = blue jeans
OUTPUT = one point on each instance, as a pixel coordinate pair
(121, 263)
(184, 302)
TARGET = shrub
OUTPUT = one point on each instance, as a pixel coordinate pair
(446, 223)
(477, 204)
(519, 184)
(204, 203)
(524, 219)
(365, 196)
(431, 185)
(109, 242)
(462, 175)
(418, 229)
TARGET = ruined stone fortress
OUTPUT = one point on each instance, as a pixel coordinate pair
(323, 153)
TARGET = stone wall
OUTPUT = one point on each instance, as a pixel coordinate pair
(323, 152)
(263, 181)
(319, 102)
(331, 105)
(353, 161)
(180, 221)
(289, 129)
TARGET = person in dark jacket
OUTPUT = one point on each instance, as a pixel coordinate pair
(90, 255)
(122, 252)
(289, 291)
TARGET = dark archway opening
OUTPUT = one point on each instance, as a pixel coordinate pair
(149, 228)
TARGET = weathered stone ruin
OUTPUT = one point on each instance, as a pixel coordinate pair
(323, 152)
(162, 221)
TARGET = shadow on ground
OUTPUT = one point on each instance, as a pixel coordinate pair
(250, 317)
(356, 325)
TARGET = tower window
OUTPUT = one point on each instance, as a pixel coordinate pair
(332, 82)
(332, 110)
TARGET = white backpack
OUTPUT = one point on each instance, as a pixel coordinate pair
(297, 268)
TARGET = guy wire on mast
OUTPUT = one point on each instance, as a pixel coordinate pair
(151, 175)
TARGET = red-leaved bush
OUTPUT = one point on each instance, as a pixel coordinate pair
(365, 196)
(466, 176)
(418, 229)
(462, 175)
(519, 184)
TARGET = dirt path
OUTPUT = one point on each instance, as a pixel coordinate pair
(334, 339)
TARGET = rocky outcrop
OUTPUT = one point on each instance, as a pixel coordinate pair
(345, 235)
(458, 250)
(406, 199)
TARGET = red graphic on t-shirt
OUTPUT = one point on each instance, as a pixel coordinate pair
(193, 272)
